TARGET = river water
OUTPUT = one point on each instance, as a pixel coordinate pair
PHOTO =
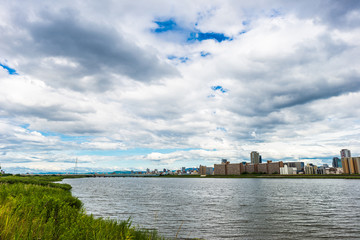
(224, 208)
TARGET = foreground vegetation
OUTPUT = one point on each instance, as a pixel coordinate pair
(36, 208)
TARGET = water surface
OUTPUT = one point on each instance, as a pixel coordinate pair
(224, 208)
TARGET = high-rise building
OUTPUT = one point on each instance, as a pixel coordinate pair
(351, 165)
(255, 157)
(345, 153)
(336, 162)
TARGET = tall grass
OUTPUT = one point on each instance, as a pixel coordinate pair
(35, 208)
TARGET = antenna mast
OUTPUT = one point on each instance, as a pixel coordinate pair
(75, 168)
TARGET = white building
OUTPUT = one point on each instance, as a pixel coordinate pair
(288, 170)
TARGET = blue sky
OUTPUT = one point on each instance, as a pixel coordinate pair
(136, 85)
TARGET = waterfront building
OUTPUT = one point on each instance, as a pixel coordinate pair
(298, 165)
(345, 153)
(336, 162)
(310, 169)
(209, 171)
(351, 165)
(240, 168)
(202, 170)
(255, 157)
(321, 170)
(286, 170)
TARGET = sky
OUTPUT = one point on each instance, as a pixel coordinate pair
(130, 85)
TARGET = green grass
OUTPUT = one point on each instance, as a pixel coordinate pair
(36, 208)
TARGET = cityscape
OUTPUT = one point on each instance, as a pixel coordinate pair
(154, 120)
(343, 165)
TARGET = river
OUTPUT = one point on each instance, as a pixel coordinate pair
(224, 208)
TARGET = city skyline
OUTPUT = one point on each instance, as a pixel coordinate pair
(159, 84)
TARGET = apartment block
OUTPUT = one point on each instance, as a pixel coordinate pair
(274, 167)
(262, 168)
(240, 168)
(234, 169)
(202, 170)
(220, 169)
(250, 168)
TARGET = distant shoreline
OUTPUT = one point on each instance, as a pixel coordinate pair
(249, 175)
(323, 176)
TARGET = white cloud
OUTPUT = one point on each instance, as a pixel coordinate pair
(97, 77)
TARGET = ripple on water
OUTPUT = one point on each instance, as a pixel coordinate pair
(228, 208)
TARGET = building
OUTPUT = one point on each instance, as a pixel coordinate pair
(224, 161)
(336, 162)
(310, 169)
(321, 170)
(286, 170)
(298, 165)
(345, 153)
(202, 170)
(255, 157)
(240, 168)
(351, 165)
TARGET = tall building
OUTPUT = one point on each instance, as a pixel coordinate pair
(255, 157)
(202, 170)
(351, 165)
(345, 153)
(336, 162)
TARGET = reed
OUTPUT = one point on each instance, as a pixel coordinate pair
(36, 208)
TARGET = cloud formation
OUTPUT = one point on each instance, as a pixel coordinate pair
(159, 84)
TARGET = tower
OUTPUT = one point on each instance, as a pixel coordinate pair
(255, 157)
(336, 163)
(75, 168)
(345, 153)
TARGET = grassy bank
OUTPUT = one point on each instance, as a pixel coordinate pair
(36, 208)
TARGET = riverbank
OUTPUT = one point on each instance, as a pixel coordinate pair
(255, 175)
(34, 207)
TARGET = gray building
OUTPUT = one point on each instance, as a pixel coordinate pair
(345, 153)
(255, 157)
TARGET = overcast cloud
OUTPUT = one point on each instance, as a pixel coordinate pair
(165, 84)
